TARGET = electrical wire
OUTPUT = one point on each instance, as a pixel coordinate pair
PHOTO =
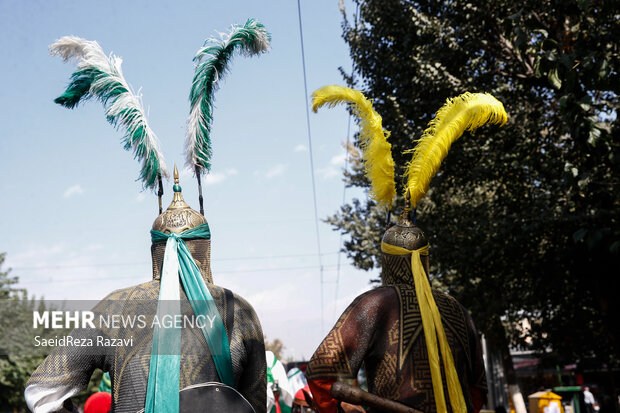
(346, 166)
(119, 277)
(133, 264)
(344, 192)
(316, 214)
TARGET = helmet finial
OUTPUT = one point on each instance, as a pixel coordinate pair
(179, 216)
(407, 203)
(176, 188)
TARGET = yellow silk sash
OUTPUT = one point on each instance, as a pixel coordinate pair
(433, 329)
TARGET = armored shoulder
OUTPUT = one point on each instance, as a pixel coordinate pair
(377, 300)
(246, 318)
(145, 291)
(450, 308)
(384, 294)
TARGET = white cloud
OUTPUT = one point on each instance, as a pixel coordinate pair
(277, 299)
(211, 178)
(140, 197)
(334, 168)
(300, 148)
(328, 172)
(185, 173)
(216, 178)
(338, 306)
(37, 253)
(275, 171)
(73, 190)
(93, 247)
(62, 271)
(338, 160)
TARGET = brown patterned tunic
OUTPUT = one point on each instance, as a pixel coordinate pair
(382, 328)
(67, 370)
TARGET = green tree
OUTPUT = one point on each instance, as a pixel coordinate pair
(7, 290)
(522, 220)
(18, 357)
(15, 364)
(275, 346)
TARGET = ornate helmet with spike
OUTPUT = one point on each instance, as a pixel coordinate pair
(404, 245)
(396, 268)
(177, 218)
(100, 76)
(465, 112)
(181, 238)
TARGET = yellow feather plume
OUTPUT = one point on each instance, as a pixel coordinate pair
(464, 112)
(376, 151)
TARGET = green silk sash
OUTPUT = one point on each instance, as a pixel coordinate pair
(162, 393)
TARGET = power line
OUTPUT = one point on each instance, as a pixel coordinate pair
(134, 264)
(344, 192)
(215, 273)
(346, 165)
(316, 215)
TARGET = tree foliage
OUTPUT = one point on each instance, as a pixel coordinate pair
(276, 346)
(523, 220)
(16, 364)
(18, 356)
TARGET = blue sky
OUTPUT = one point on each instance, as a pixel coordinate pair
(75, 219)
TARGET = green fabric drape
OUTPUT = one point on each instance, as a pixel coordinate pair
(163, 384)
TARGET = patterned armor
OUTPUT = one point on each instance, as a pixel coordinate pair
(382, 330)
(67, 370)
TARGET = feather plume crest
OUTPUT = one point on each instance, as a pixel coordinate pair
(467, 111)
(376, 150)
(100, 76)
(211, 64)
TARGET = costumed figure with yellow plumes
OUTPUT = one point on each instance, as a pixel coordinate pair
(420, 348)
(211, 357)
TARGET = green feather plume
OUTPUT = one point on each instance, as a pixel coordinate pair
(101, 76)
(211, 64)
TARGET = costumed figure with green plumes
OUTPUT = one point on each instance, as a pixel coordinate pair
(419, 346)
(211, 357)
